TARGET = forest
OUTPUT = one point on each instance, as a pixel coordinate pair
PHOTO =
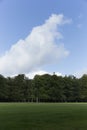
(43, 88)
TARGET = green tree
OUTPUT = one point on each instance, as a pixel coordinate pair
(3, 89)
(83, 88)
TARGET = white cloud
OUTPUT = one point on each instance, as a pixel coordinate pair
(80, 73)
(41, 72)
(40, 47)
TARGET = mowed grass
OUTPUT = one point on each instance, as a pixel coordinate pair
(43, 116)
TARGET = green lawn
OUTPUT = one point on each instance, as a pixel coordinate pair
(43, 116)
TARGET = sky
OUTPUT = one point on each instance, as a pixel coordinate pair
(43, 36)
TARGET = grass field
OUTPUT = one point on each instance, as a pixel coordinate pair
(43, 116)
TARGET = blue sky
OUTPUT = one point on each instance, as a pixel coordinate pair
(19, 18)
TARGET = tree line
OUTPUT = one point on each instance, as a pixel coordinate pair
(43, 88)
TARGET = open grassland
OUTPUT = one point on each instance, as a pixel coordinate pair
(43, 116)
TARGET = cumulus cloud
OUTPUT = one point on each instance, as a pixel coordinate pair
(41, 47)
(41, 72)
(80, 73)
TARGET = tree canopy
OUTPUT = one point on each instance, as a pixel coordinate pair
(43, 88)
